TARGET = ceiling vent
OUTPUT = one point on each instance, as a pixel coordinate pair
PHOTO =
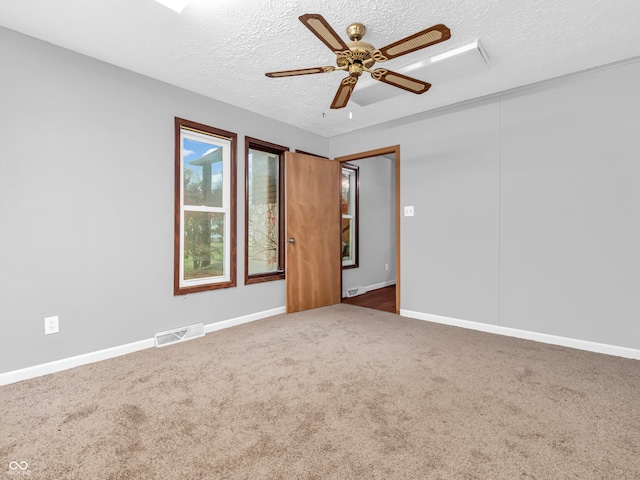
(456, 63)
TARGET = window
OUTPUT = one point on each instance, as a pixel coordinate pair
(205, 215)
(350, 194)
(264, 211)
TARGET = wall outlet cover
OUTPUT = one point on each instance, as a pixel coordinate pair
(51, 325)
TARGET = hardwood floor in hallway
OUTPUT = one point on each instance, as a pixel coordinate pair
(380, 299)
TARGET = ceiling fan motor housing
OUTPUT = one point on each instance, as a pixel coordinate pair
(360, 55)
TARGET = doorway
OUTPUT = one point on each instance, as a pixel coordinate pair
(384, 297)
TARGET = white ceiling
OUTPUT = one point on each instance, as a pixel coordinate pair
(222, 48)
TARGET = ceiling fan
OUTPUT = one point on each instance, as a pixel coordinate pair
(356, 56)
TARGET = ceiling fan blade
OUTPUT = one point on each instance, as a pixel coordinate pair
(430, 36)
(321, 29)
(344, 92)
(401, 81)
(300, 71)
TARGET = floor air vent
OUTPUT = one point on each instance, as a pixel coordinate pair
(352, 292)
(179, 335)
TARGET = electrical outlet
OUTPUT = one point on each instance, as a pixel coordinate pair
(386, 267)
(408, 211)
(51, 325)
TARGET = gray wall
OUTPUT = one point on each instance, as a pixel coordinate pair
(377, 224)
(526, 207)
(570, 207)
(86, 201)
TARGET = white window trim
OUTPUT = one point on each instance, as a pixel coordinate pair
(225, 209)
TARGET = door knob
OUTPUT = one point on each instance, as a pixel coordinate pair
(292, 240)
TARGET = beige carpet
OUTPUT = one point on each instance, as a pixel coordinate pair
(337, 393)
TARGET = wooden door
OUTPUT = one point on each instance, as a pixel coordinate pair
(314, 245)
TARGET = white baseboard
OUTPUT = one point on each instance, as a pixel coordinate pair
(212, 327)
(375, 286)
(70, 362)
(92, 357)
(527, 335)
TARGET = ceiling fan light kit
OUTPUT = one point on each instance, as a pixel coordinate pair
(357, 56)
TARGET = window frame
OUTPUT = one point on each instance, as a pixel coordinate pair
(251, 143)
(355, 216)
(229, 200)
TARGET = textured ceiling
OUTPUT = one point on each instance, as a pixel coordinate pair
(222, 48)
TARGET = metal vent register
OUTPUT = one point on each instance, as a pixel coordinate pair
(179, 335)
(352, 292)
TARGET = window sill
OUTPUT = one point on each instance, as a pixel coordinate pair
(264, 277)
